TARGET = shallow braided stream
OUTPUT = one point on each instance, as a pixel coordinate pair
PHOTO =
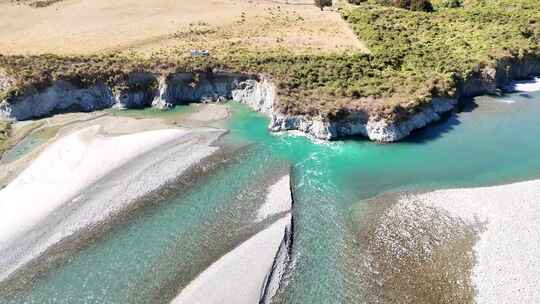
(151, 257)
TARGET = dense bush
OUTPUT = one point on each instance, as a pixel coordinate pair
(323, 3)
(452, 3)
(447, 42)
(356, 1)
(413, 5)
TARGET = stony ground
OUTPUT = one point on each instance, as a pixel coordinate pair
(414, 253)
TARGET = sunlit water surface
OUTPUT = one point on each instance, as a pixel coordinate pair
(158, 252)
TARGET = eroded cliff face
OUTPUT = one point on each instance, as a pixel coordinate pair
(143, 90)
(360, 124)
(164, 91)
(491, 79)
(5, 82)
(483, 80)
(60, 97)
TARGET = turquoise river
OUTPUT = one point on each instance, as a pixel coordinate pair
(149, 258)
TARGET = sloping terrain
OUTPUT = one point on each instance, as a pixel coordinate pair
(84, 27)
(320, 70)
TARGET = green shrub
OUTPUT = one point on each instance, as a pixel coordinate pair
(356, 1)
(322, 3)
(452, 3)
(412, 5)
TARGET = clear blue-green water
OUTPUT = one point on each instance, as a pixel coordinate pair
(151, 257)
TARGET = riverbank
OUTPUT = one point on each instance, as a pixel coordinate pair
(261, 95)
(506, 269)
(182, 237)
(240, 276)
(68, 171)
(454, 246)
(253, 271)
(5, 129)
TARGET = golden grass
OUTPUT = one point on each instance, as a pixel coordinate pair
(150, 26)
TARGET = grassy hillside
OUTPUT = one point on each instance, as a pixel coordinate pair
(414, 56)
(448, 41)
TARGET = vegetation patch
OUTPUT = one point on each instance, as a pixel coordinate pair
(5, 128)
(413, 5)
(414, 57)
(36, 4)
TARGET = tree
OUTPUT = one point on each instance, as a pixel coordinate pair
(322, 3)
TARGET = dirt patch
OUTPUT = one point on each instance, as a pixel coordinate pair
(414, 253)
(36, 4)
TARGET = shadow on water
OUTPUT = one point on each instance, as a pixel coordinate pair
(434, 131)
(449, 121)
(467, 105)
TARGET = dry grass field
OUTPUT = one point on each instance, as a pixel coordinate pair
(94, 26)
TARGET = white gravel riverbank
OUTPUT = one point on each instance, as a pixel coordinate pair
(239, 276)
(86, 177)
(507, 268)
(277, 200)
(251, 270)
(66, 168)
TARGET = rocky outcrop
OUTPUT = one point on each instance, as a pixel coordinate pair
(382, 131)
(359, 124)
(60, 97)
(139, 91)
(483, 80)
(491, 79)
(143, 90)
(5, 82)
(165, 91)
(259, 95)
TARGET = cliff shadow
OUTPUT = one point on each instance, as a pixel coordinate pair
(526, 95)
(435, 130)
(448, 122)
